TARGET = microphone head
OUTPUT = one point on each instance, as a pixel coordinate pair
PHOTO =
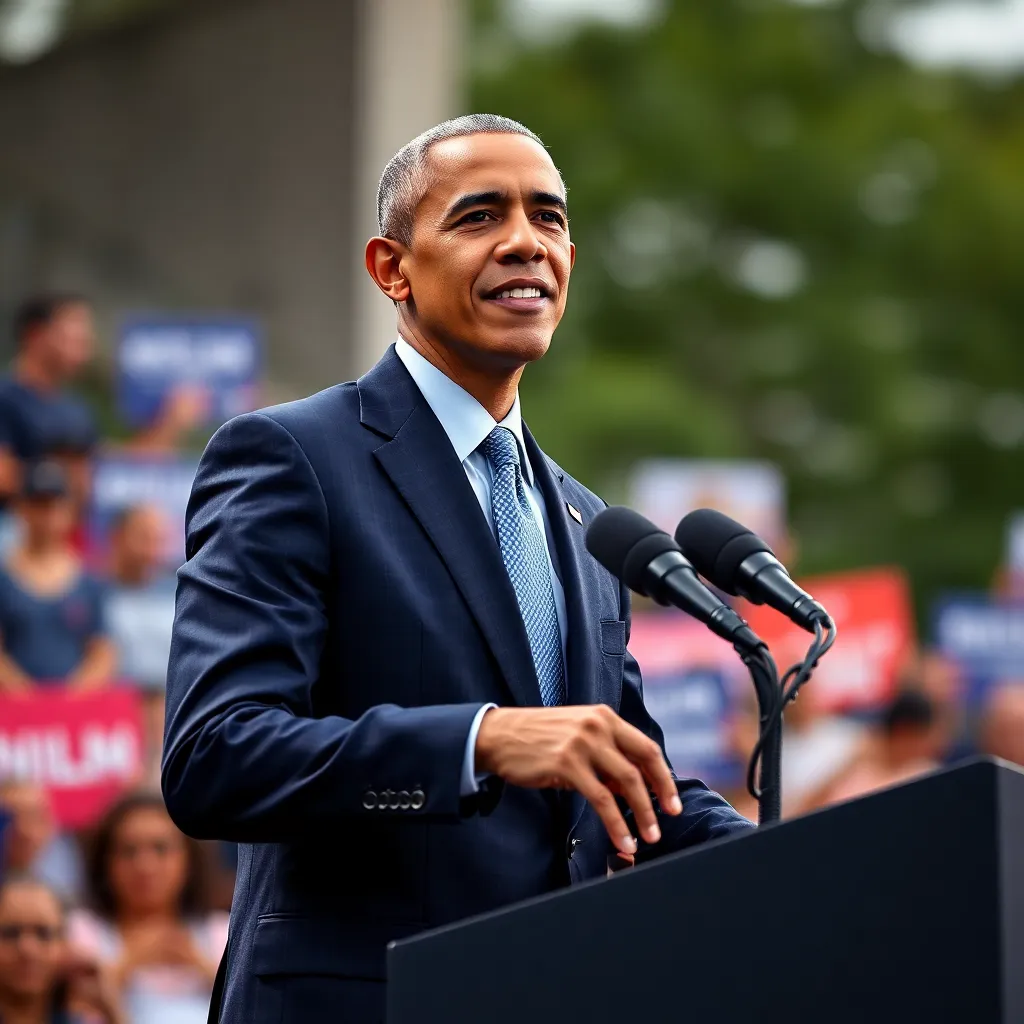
(625, 543)
(717, 545)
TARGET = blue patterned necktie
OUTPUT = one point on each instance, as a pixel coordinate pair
(526, 560)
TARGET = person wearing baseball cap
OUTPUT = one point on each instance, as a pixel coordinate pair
(51, 609)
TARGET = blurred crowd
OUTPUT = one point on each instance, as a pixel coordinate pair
(126, 922)
(829, 757)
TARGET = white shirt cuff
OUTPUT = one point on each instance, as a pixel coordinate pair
(470, 780)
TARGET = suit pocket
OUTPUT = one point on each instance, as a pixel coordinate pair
(313, 970)
(297, 944)
(613, 636)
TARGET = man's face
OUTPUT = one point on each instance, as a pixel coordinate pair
(47, 521)
(489, 260)
(142, 539)
(31, 827)
(70, 339)
(32, 948)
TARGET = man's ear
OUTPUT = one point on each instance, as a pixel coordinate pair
(383, 264)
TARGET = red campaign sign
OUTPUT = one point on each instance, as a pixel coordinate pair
(872, 610)
(85, 749)
(670, 642)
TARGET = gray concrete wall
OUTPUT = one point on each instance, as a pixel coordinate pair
(224, 158)
(408, 80)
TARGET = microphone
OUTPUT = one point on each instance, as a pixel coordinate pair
(737, 561)
(649, 561)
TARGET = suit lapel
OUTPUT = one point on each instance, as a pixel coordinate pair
(568, 537)
(418, 458)
(587, 682)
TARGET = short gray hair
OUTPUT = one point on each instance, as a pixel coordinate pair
(396, 194)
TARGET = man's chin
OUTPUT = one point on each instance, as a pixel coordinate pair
(517, 346)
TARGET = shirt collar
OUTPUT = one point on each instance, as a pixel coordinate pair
(464, 419)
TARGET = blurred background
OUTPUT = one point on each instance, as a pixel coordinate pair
(798, 298)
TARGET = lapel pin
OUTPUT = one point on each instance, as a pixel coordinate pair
(574, 513)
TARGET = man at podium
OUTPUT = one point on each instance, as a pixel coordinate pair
(398, 679)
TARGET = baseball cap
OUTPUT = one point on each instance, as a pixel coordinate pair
(44, 479)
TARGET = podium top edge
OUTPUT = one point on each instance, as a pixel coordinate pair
(995, 765)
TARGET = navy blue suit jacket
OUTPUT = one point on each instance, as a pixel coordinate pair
(342, 615)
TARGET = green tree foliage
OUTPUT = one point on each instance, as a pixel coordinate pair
(791, 246)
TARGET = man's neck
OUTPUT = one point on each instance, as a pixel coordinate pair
(32, 373)
(494, 389)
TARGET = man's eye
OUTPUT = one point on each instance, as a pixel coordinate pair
(551, 217)
(476, 217)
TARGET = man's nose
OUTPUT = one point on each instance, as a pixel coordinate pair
(521, 242)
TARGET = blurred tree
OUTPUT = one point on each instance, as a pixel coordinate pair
(791, 245)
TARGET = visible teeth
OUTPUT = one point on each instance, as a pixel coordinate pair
(520, 293)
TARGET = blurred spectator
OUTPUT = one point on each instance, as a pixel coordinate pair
(51, 610)
(42, 981)
(33, 845)
(140, 613)
(816, 747)
(908, 742)
(1001, 728)
(152, 923)
(55, 339)
(941, 679)
(184, 410)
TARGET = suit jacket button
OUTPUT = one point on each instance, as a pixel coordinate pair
(385, 799)
(404, 799)
(393, 800)
(369, 800)
(417, 799)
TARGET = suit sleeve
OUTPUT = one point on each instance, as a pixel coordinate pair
(705, 815)
(245, 758)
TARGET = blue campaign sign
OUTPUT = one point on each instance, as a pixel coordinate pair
(157, 355)
(692, 706)
(125, 481)
(985, 637)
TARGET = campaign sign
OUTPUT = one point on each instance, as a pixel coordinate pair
(693, 709)
(159, 355)
(124, 481)
(985, 637)
(873, 614)
(754, 493)
(84, 749)
(690, 678)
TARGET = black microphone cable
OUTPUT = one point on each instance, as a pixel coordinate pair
(796, 676)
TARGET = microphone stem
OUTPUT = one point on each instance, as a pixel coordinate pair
(765, 677)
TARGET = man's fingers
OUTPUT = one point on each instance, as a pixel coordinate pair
(647, 756)
(627, 780)
(601, 798)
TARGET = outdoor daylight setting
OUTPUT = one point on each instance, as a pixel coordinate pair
(511, 510)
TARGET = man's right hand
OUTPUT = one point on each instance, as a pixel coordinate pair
(587, 748)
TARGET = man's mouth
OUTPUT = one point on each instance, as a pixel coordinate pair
(519, 295)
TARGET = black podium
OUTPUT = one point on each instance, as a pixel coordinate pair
(906, 907)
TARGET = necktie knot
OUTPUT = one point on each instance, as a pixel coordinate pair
(500, 448)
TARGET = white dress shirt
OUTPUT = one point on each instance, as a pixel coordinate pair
(467, 423)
